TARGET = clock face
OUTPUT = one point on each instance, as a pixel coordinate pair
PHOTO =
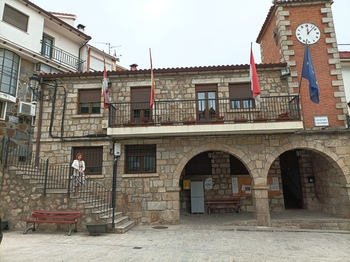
(308, 33)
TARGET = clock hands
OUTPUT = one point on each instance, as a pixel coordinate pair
(308, 31)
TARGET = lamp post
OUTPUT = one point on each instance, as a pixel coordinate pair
(34, 83)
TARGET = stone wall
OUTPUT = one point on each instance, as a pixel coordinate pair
(19, 196)
(155, 197)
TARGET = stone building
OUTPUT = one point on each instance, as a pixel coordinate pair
(280, 152)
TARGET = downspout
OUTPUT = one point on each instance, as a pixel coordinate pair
(53, 110)
(79, 56)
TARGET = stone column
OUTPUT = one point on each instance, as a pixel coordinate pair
(261, 205)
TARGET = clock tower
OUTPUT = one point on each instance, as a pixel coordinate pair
(289, 25)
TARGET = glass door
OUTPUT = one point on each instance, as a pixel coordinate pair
(207, 105)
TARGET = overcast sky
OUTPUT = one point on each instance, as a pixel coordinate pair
(181, 33)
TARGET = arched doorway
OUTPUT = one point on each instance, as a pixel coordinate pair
(216, 172)
(290, 175)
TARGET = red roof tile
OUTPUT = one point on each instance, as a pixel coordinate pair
(344, 54)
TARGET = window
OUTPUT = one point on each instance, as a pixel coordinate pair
(207, 107)
(3, 106)
(140, 106)
(92, 157)
(140, 159)
(15, 18)
(89, 101)
(241, 96)
(9, 66)
(46, 48)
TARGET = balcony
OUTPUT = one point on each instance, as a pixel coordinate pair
(278, 114)
(60, 56)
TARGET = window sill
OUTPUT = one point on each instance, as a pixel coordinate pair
(142, 175)
(87, 115)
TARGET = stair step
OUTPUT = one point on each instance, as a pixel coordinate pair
(120, 220)
(121, 229)
(116, 215)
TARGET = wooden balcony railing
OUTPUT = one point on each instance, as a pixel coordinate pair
(207, 111)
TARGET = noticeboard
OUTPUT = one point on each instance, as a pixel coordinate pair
(242, 186)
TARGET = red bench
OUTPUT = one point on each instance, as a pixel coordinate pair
(223, 203)
(68, 217)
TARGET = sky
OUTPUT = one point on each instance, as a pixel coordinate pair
(180, 33)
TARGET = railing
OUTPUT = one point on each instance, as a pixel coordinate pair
(205, 111)
(59, 55)
(53, 176)
(96, 195)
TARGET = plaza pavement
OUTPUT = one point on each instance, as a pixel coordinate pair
(193, 241)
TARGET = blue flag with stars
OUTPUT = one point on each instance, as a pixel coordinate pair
(309, 73)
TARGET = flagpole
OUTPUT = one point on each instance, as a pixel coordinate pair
(301, 80)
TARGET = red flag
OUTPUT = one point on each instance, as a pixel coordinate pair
(151, 101)
(105, 90)
(255, 86)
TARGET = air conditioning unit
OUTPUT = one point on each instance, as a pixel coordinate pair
(26, 109)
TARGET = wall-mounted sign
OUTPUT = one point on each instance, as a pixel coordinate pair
(186, 184)
(208, 183)
(321, 120)
(14, 119)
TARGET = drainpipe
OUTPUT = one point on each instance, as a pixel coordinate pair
(79, 56)
(40, 120)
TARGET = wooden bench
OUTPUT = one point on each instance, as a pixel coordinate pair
(68, 217)
(223, 203)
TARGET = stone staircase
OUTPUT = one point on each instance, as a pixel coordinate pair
(103, 214)
(121, 223)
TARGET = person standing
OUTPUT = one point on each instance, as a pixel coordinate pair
(78, 173)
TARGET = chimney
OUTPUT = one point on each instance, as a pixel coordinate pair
(133, 67)
(81, 27)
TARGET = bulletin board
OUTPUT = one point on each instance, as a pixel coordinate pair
(241, 186)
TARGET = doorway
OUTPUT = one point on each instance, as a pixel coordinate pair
(292, 191)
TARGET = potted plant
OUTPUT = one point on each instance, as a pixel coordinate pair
(188, 120)
(95, 228)
(218, 119)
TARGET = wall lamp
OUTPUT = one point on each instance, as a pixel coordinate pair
(34, 86)
(285, 72)
(311, 179)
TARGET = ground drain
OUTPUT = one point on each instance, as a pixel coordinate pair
(137, 247)
(160, 227)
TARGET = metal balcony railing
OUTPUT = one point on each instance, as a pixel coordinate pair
(206, 111)
(60, 56)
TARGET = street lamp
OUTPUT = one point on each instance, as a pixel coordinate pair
(34, 86)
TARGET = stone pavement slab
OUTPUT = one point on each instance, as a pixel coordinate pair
(177, 243)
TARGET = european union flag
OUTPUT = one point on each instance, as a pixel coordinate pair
(309, 73)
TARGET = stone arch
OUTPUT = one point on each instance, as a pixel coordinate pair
(202, 148)
(337, 162)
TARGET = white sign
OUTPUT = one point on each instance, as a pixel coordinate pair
(14, 119)
(234, 185)
(208, 183)
(321, 120)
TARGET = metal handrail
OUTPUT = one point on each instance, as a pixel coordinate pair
(53, 176)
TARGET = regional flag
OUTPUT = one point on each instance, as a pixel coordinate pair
(254, 81)
(309, 73)
(151, 101)
(105, 91)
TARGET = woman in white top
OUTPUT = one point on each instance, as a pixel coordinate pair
(78, 172)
